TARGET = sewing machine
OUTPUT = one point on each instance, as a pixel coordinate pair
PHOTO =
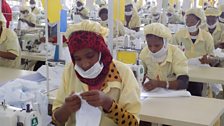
(138, 71)
(130, 57)
(12, 116)
(30, 42)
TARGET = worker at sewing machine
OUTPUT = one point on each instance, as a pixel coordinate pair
(102, 81)
(196, 43)
(33, 8)
(81, 9)
(165, 65)
(221, 16)
(173, 18)
(215, 28)
(132, 20)
(27, 17)
(9, 46)
(118, 26)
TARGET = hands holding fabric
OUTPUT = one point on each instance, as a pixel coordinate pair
(95, 98)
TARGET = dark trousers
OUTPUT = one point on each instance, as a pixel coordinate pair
(195, 88)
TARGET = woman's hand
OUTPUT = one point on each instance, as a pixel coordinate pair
(72, 103)
(97, 98)
(150, 85)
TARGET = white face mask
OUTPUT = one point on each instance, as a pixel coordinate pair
(32, 5)
(156, 17)
(212, 26)
(161, 55)
(80, 7)
(129, 13)
(194, 37)
(221, 19)
(105, 21)
(92, 72)
(170, 16)
(193, 28)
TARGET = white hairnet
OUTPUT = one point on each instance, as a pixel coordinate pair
(87, 25)
(197, 12)
(221, 7)
(23, 8)
(128, 2)
(157, 29)
(212, 11)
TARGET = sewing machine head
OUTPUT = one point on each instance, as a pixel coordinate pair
(12, 116)
(30, 42)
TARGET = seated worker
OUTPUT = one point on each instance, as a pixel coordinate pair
(138, 4)
(214, 27)
(196, 41)
(155, 14)
(9, 46)
(34, 9)
(181, 14)
(118, 26)
(102, 81)
(27, 17)
(173, 18)
(132, 20)
(81, 10)
(221, 16)
(165, 64)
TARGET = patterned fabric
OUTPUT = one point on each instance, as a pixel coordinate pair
(85, 39)
(121, 116)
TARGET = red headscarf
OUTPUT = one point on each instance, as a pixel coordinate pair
(85, 39)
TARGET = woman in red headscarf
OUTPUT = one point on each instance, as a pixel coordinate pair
(101, 81)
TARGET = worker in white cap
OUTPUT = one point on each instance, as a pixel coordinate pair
(155, 15)
(27, 17)
(138, 4)
(9, 46)
(173, 18)
(132, 20)
(81, 9)
(33, 7)
(165, 64)
(118, 26)
(221, 16)
(214, 27)
(196, 42)
(93, 76)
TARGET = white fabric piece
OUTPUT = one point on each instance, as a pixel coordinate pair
(218, 52)
(163, 93)
(88, 115)
(24, 25)
(216, 88)
(196, 62)
(20, 92)
(55, 74)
